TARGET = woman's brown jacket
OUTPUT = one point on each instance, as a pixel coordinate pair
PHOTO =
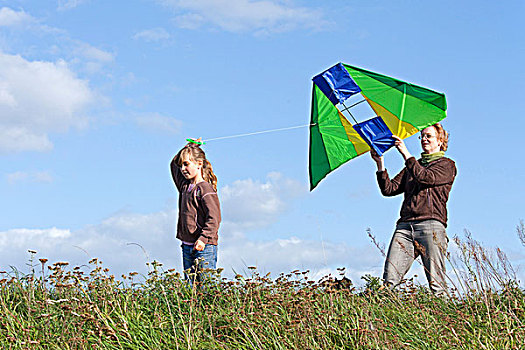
(426, 188)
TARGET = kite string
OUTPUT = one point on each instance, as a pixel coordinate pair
(291, 127)
(259, 132)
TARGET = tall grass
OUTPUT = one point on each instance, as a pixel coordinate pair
(58, 307)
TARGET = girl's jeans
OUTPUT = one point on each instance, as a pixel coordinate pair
(195, 261)
(425, 238)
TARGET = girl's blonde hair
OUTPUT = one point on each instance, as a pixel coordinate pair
(442, 136)
(196, 154)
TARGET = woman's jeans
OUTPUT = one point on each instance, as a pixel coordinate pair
(425, 238)
(195, 261)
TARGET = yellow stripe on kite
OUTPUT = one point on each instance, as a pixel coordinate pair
(359, 144)
(396, 125)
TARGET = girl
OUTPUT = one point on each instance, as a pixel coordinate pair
(426, 184)
(199, 208)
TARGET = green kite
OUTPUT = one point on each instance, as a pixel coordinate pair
(401, 109)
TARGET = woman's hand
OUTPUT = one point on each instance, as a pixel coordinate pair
(378, 159)
(401, 147)
(199, 245)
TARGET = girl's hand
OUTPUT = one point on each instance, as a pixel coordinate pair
(199, 245)
(401, 147)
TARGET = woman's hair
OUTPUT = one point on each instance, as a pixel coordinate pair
(442, 136)
(196, 154)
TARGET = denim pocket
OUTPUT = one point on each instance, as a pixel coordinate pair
(440, 232)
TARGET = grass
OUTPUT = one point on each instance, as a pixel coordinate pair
(58, 307)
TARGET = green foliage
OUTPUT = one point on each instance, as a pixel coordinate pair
(72, 309)
(86, 307)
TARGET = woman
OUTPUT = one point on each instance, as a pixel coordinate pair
(426, 185)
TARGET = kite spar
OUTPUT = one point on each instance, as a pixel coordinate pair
(401, 109)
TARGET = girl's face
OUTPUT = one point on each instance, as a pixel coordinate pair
(190, 169)
(429, 140)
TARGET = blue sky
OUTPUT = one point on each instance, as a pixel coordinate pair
(97, 96)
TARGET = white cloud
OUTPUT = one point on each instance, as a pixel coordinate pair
(17, 176)
(11, 18)
(23, 239)
(128, 80)
(155, 122)
(115, 239)
(43, 176)
(119, 242)
(94, 54)
(290, 253)
(69, 4)
(90, 58)
(253, 204)
(263, 16)
(22, 176)
(152, 35)
(53, 40)
(18, 139)
(190, 21)
(126, 241)
(38, 98)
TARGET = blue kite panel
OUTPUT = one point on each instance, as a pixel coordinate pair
(336, 83)
(375, 132)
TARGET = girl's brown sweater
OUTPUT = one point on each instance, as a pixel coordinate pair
(199, 210)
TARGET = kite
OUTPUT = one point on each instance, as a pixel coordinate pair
(400, 109)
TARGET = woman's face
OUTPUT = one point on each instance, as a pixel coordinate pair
(429, 140)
